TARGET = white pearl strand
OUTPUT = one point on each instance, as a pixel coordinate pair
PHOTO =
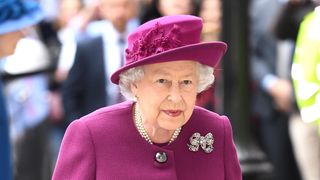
(142, 130)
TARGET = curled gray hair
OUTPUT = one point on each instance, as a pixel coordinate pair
(206, 78)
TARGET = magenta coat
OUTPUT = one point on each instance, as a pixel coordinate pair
(105, 145)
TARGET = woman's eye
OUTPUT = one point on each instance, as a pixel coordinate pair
(186, 82)
(161, 81)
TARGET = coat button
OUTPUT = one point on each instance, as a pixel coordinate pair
(161, 157)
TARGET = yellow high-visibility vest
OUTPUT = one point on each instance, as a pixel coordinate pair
(306, 68)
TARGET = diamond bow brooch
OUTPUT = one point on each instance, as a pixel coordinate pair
(205, 142)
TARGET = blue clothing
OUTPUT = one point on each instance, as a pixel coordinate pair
(27, 105)
(5, 155)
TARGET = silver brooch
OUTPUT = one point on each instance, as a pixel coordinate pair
(205, 142)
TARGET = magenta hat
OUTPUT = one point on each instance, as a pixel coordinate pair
(170, 38)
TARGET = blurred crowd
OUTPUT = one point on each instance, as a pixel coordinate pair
(60, 71)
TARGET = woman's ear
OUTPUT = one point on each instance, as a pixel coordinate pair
(134, 88)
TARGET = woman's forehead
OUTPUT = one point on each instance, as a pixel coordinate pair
(173, 67)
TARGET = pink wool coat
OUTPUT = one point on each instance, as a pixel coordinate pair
(105, 145)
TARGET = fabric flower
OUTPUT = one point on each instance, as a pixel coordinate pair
(154, 42)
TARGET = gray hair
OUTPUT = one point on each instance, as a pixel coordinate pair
(206, 78)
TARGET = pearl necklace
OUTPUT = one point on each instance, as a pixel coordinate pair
(142, 130)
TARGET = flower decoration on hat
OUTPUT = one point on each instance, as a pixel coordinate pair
(155, 41)
(14, 9)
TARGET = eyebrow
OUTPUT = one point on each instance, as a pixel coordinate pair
(161, 72)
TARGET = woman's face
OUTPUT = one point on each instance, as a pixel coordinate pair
(174, 7)
(167, 93)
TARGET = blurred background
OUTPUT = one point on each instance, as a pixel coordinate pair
(253, 81)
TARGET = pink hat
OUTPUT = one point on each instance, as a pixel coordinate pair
(170, 38)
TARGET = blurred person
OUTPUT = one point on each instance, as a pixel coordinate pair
(306, 79)
(211, 13)
(73, 24)
(303, 135)
(68, 26)
(288, 22)
(272, 93)
(89, 23)
(60, 34)
(161, 134)
(169, 7)
(15, 15)
(72, 18)
(159, 8)
(96, 58)
(94, 28)
(26, 90)
(305, 69)
(54, 32)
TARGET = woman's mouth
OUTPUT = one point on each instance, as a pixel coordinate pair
(173, 113)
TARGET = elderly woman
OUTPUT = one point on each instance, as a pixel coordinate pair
(16, 16)
(161, 134)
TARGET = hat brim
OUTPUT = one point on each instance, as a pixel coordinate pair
(209, 53)
(23, 22)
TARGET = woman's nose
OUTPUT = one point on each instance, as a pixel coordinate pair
(174, 93)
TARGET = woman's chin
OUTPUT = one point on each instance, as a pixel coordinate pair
(172, 125)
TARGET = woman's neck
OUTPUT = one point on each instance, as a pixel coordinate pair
(151, 131)
(157, 134)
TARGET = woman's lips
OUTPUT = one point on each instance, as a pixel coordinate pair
(173, 113)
